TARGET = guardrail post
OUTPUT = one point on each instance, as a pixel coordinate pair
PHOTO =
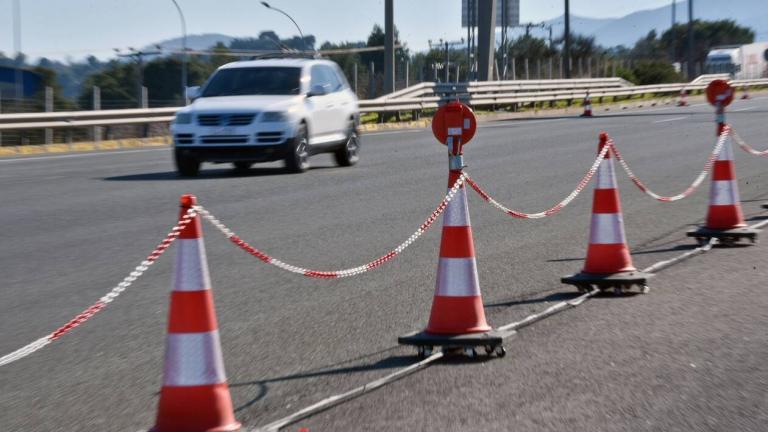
(550, 68)
(371, 80)
(354, 78)
(538, 69)
(407, 73)
(96, 107)
(514, 72)
(527, 75)
(144, 97)
(49, 108)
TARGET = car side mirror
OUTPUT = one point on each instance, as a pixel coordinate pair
(317, 90)
(193, 92)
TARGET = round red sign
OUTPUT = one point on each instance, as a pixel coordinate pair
(720, 92)
(454, 120)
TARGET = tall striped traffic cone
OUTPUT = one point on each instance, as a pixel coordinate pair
(725, 219)
(195, 395)
(683, 101)
(457, 306)
(608, 263)
(587, 106)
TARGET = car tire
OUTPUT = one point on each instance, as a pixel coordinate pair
(349, 153)
(297, 157)
(187, 166)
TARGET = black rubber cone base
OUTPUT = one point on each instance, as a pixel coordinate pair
(619, 282)
(726, 237)
(765, 206)
(425, 342)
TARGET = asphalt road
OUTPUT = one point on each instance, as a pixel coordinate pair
(689, 356)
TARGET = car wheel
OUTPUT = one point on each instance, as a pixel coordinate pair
(242, 166)
(298, 153)
(348, 155)
(187, 166)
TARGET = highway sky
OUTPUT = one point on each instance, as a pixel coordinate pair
(75, 28)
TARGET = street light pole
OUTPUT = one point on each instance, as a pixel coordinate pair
(303, 42)
(185, 55)
(691, 65)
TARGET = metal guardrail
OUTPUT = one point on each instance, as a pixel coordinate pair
(420, 97)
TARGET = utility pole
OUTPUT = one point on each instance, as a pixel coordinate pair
(691, 62)
(672, 30)
(138, 57)
(389, 47)
(486, 39)
(567, 40)
(19, 86)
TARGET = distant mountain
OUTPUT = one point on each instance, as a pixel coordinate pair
(194, 42)
(628, 29)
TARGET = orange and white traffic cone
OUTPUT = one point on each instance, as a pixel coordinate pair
(457, 319)
(683, 98)
(608, 263)
(725, 219)
(457, 306)
(587, 106)
(745, 94)
(195, 395)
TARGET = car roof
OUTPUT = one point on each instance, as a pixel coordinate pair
(288, 62)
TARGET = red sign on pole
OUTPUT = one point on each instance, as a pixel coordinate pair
(454, 122)
(720, 92)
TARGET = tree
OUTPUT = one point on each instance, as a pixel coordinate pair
(376, 39)
(530, 47)
(706, 35)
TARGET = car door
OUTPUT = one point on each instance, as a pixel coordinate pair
(320, 107)
(338, 102)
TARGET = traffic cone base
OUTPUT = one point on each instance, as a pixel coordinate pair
(725, 219)
(202, 408)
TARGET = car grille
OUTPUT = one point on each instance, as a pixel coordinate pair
(225, 119)
(185, 139)
(269, 137)
(224, 139)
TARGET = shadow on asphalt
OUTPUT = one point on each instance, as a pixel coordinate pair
(207, 174)
(556, 297)
(392, 362)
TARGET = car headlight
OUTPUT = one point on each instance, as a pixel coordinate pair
(274, 116)
(183, 118)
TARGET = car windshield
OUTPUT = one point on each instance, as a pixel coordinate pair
(254, 81)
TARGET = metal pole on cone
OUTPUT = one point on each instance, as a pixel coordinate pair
(457, 320)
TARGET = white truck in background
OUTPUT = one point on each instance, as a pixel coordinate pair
(748, 61)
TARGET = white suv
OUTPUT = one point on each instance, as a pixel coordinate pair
(268, 110)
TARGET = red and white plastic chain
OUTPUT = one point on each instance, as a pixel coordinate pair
(559, 206)
(106, 299)
(746, 147)
(334, 274)
(696, 183)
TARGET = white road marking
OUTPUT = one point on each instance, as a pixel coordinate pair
(744, 109)
(393, 132)
(670, 120)
(67, 156)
